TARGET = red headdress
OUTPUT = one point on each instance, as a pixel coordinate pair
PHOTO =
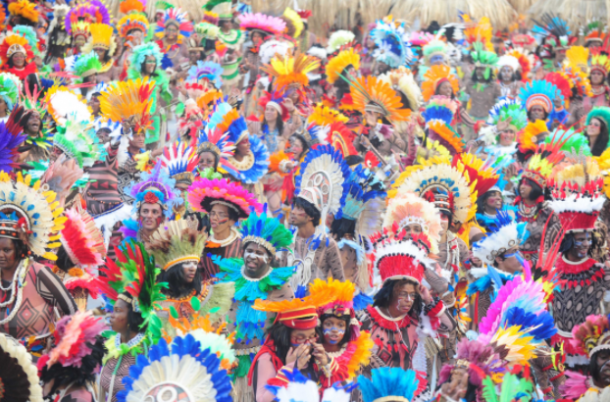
(399, 260)
(82, 240)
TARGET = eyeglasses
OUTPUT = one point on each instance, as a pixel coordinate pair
(302, 338)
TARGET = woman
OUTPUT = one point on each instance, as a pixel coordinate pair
(17, 57)
(27, 285)
(225, 203)
(177, 247)
(173, 27)
(506, 119)
(598, 74)
(292, 342)
(133, 316)
(214, 146)
(597, 129)
(273, 130)
(69, 370)
(488, 204)
(102, 43)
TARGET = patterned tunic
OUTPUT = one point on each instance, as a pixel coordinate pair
(106, 375)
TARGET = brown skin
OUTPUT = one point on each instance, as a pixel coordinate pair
(257, 38)
(9, 260)
(334, 330)
(136, 143)
(371, 118)
(537, 112)
(242, 148)
(256, 261)
(304, 222)
(506, 74)
(507, 137)
(412, 229)
(602, 357)
(94, 104)
(18, 60)
(79, 42)
(525, 190)
(171, 34)
(402, 300)
(580, 250)
(3, 108)
(306, 339)
(220, 222)
(150, 65)
(457, 387)
(271, 116)
(206, 160)
(151, 216)
(190, 270)
(33, 125)
(445, 89)
(101, 53)
(119, 321)
(510, 264)
(494, 202)
(444, 227)
(593, 130)
(597, 77)
(295, 147)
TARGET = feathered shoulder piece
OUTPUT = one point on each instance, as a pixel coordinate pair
(373, 94)
(343, 292)
(73, 337)
(391, 383)
(134, 272)
(125, 100)
(337, 65)
(266, 231)
(434, 77)
(592, 335)
(526, 138)
(177, 242)
(77, 139)
(206, 70)
(82, 239)
(62, 103)
(512, 388)
(291, 71)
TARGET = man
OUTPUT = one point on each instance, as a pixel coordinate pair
(254, 279)
(316, 255)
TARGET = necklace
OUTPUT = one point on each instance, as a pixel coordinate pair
(245, 163)
(246, 277)
(11, 288)
(338, 353)
(525, 211)
(135, 341)
(223, 243)
(18, 289)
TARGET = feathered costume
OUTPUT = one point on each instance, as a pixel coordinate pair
(19, 380)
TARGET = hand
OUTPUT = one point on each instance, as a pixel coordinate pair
(425, 294)
(289, 104)
(503, 124)
(320, 354)
(456, 388)
(300, 355)
(365, 142)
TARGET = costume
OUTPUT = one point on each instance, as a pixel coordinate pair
(20, 381)
(392, 384)
(174, 16)
(14, 43)
(102, 38)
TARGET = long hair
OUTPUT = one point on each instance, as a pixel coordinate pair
(279, 123)
(344, 318)
(482, 201)
(602, 140)
(177, 287)
(280, 335)
(383, 298)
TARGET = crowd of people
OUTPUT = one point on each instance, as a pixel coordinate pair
(234, 208)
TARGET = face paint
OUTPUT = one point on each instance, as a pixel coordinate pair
(256, 256)
(328, 332)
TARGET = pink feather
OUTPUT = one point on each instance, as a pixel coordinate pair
(575, 386)
(267, 23)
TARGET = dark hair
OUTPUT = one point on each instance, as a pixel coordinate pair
(481, 201)
(233, 215)
(438, 88)
(154, 73)
(176, 284)
(342, 85)
(303, 141)
(405, 100)
(25, 117)
(64, 262)
(569, 240)
(216, 157)
(383, 298)
(134, 319)
(279, 123)
(346, 319)
(352, 160)
(536, 192)
(280, 335)
(448, 215)
(77, 376)
(602, 140)
(341, 227)
(21, 250)
(529, 115)
(309, 209)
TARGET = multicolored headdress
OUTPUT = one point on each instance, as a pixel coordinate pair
(102, 37)
(525, 59)
(393, 44)
(291, 71)
(181, 161)
(132, 22)
(11, 138)
(600, 62)
(266, 231)
(92, 11)
(24, 9)
(297, 313)
(10, 86)
(186, 368)
(482, 57)
(78, 140)
(134, 272)
(140, 52)
(294, 24)
(592, 335)
(504, 235)
(82, 240)
(339, 39)
(155, 187)
(554, 31)
(439, 116)
(83, 66)
(434, 77)
(295, 386)
(177, 242)
(266, 24)
(29, 213)
(337, 65)
(12, 44)
(30, 34)
(372, 94)
(204, 193)
(216, 142)
(175, 16)
(401, 79)
(206, 70)
(541, 93)
(391, 384)
(125, 100)
(508, 109)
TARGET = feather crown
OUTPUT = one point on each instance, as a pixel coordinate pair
(85, 65)
(25, 9)
(30, 213)
(82, 240)
(375, 95)
(541, 93)
(266, 231)
(155, 187)
(343, 292)
(85, 14)
(483, 57)
(391, 384)
(125, 100)
(132, 6)
(175, 16)
(362, 186)
(62, 104)
(73, 337)
(478, 172)
(206, 70)
(600, 62)
(269, 25)
(434, 77)
(184, 368)
(134, 272)
(438, 116)
(204, 193)
(12, 44)
(336, 66)
(102, 36)
(30, 34)
(338, 39)
(140, 52)
(181, 161)
(177, 242)
(291, 71)
(554, 31)
(401, 79)
(294, 22)
(506, 109)
(393, 45)
(131, 22)
(505, 235)
(592, 335)
(10, 86)
(399, 259)
(601, 113)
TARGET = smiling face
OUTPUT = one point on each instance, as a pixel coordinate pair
(32, 127)
(243, 146)
(507, 137)
(171, 32)
(207, 160)
(494, 201)
(445, 89)
(537, 112)
(219, 218)
(150, 65)
(594, 127)
(334, 330)
(271, 114)
(137, 140)
(295, 147)
(256, 260)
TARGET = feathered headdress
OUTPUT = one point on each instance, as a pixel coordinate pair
(10, 86)
(141, 52)
(216, 142)
(525, 59)
(88, 13)
(294, 24)
(297, 313)
(391, 383)
(435, 47)
(184, 368)
(30, 34)
(439, 116)
(102, 36)
(434, 77)
(504, 235)
(181, 161)
(343, 296)
(592, 335)
(266, 24)
(507, 109)
(25, 9)
(132, 6)
(155, 187)
(600, 62)
(131, 22)
(82, 240)
(372, 94)
(204, 193)
(10, 139)
(443, 185)
(78, 140)
(125, 100)
(337, 65)
(338, 39)
(30, 214)
(12, 44)
(83, 66)
(291, 71)
(175, 16)
(134, 272)
(393, 45)
(541, 93)
(206, 70)
(295, 386)
(62, 103)
(177, 242)
(401, 79)
(482, 57)
(400, 258)
(20, 382)
(478, 172)
(554, 31)
(73, 337)
(266, 231)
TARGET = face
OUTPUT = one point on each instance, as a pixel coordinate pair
(271, 113)
(560, 55)
(189, 270)
(436, 60)
(137, 140)
(404, 297)
(301, 336)
(243, 146)
(507, 137)
(94, 104)
(79, 41)
(151, 216)
(511, 263)
(104, 135)
(445, 89)
(193, 56)
(334, 330)
(101, 53)
(495, 200)
(352, 72)
(150, 64)
(537, 112)
(33, 124)
(525, 190)
(171, 32)
(256, 260)
(8, 255)
(3, 106)
(444, 223)
(412, 229)
(597, 77)
(480, 72)
(582, 244)
(219, 218)
(603, 359)
(257, 38)
(118, 318)
(298, 216)
(295, 147)
(207, 160)
(506, 73)
(594, 127)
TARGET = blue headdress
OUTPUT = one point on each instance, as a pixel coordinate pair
(208, 70)
(393, 44)
(184, 368)
(140, 52)
(541, 93)
(400, 385)
(9, 89)
(155, 187)
(503, 235)
(364, 192)
(10, 138)
(554, 30)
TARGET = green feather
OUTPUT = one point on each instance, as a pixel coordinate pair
(213, 3)
(163, 5)
(489, 390)
(195, 303)
(173, 312)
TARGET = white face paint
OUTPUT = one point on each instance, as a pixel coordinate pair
(190, 264)
(255, 256)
